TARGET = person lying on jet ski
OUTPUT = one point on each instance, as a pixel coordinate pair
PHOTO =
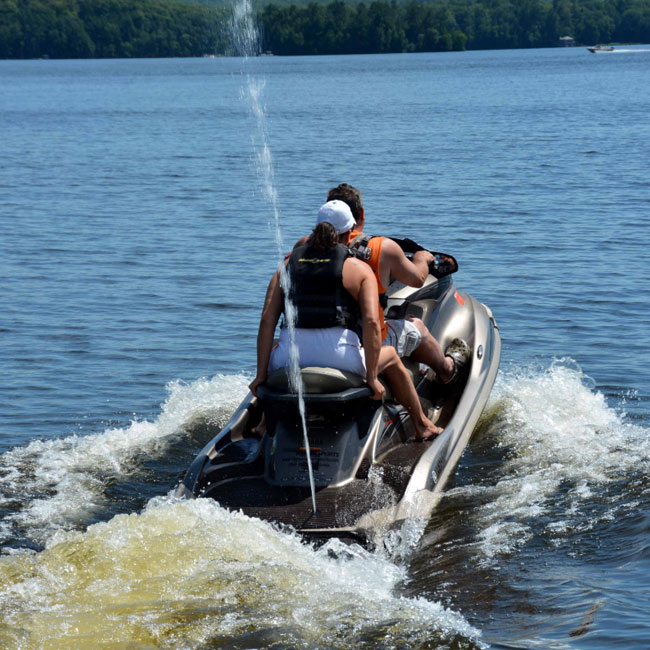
(410, 337)
(336, 310)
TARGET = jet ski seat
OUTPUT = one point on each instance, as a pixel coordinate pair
(325, 386)
(317, 380)
(326, 381)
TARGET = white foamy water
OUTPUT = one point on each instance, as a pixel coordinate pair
(563, 444)
(182, 574)
(56, 484)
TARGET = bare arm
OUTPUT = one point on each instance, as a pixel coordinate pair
(269, 319)
(359, 280)
(394, 263)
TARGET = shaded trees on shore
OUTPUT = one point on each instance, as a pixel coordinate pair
(166, 28)
(107, 28)
(360, 29)
(414, 26)
(26, 28)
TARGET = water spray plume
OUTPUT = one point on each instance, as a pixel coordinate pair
(245, 36)
(246, 42)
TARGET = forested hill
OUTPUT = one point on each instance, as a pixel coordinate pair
(413, 26)
(166, 28)
(107, 28)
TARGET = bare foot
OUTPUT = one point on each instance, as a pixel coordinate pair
(427, 430)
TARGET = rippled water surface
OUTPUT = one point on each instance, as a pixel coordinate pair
(136, 241)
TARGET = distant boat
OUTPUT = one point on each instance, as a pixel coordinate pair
(597, 49)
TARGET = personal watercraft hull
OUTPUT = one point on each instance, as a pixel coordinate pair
(369, 474)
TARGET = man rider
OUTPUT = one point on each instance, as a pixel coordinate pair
(333, 294)
(410, 337)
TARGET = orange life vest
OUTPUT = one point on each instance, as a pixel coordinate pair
(371, 255)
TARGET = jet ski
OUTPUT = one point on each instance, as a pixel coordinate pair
(361, 472)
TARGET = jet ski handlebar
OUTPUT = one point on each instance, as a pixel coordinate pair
(442, 265)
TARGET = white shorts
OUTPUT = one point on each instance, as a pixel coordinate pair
(331, 347)
(403, 335)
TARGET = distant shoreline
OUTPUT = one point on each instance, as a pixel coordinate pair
(262, 55)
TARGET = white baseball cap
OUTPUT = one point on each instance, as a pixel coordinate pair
(337, 213)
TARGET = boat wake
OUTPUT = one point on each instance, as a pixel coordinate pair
(50, 485)
(554, 448)
(185, 574)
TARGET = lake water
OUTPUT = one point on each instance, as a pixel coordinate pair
(136, 242)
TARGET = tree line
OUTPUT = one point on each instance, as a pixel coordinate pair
(164, 28)
(108, 29)
(415, 26)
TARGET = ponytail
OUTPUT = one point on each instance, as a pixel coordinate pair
(323, 236)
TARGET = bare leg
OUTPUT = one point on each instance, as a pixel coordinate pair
(260, 428)
(404, 391)
(430, 352)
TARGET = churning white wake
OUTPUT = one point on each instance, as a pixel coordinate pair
(563, 445)
(629, 50)
(58, 484)
(186, 574)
